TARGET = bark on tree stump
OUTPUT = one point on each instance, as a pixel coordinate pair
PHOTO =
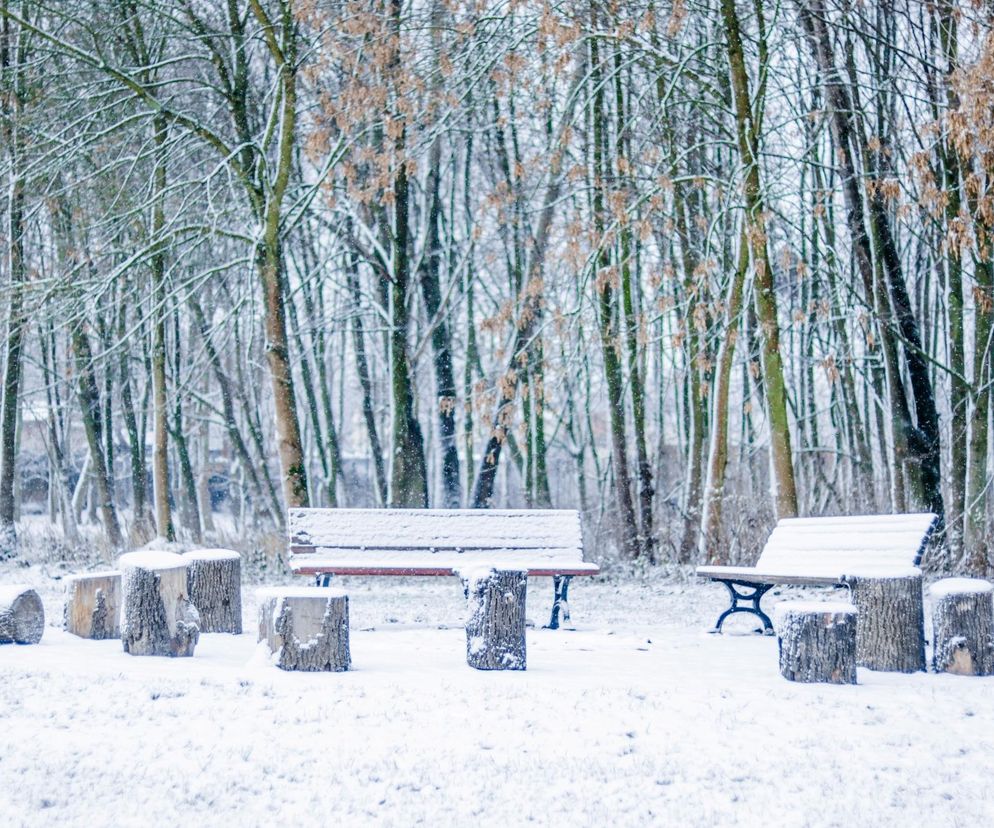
(214, 580)
(305, 628)
(22, 617)
(93, 605)
(817, 641)
(890, 634)
(963, 626)
(159, 619)
(495, 622)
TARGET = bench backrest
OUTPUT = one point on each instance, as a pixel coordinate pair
(823, 544)
(549, 531)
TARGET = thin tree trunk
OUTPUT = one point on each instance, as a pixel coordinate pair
(781, 462)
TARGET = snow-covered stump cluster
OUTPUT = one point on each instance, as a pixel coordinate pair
(495, 622)
(159, 618)
(214, 581)
(305, 628)
(890, 634)
(963, 626)
(22, 617)
(93, 605)
(817, 641)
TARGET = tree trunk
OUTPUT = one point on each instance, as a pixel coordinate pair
(159, 619)
(891, 630)
(89, 403)
(963, 627)
(13, 55)
(305, 628)
(817, 641)
(781, 461)
(93, 605)
(495, 623)
(214, 584)
(22, 616)
(711, 549)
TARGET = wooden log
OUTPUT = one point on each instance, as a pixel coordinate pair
(305, 628)
(159, 619)
(495, 622)
(890, 634)
(963, 626)
(93, 605)
(214, 581)
(22, 616)
(817, 641)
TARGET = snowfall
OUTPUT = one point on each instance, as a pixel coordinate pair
(633, 715)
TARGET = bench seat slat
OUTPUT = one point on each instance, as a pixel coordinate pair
(385, 528)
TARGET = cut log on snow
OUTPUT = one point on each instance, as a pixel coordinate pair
(890, 634)
(963, 626)
(22, 617)
(214, 579)
(93, 605)
(159, 619)
(305, 628)
(495, 622)
(817, 641)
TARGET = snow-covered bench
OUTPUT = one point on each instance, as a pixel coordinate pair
(821, 552)
(326, 542)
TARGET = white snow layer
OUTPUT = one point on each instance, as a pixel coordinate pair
(785, 608)
(958, 586)
(212, 555)
(635, 718)
(152, 559)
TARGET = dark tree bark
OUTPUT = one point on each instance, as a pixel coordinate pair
(306, 629)
(22, 616)
(817, 641)
(963, 627)
(214, 583)
(891, 630)
(495, 624)
(93, 605)
(158, 618)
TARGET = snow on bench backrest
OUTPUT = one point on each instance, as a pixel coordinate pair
(555, 531)
(826, 544)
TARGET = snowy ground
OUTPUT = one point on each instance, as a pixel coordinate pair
(636, 717)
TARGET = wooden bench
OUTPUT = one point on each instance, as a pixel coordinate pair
(547, 542)
(821, 552)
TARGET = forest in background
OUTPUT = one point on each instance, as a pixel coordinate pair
(688, 266)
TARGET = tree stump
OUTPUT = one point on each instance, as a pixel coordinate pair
(963, 626)
(495, 623)
(817, 641)
(159, 619)
(305, 628)
(890, 634)
(93, 605)
(22, 617)
(214, 580)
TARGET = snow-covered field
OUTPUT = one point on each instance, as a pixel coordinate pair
(635, 717)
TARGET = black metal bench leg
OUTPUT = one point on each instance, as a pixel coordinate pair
(323, 580)
(754, 597)
(560, 587)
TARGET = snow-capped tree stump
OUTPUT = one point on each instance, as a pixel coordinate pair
(817, 641)
(214, 579)
(963, 626)
(890, 634)
(159, 619)
(93, 605)
(22, 617)
(305, 628)
(495, 621)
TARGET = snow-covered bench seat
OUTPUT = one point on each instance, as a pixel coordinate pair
(325, 542)
(821, 552)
